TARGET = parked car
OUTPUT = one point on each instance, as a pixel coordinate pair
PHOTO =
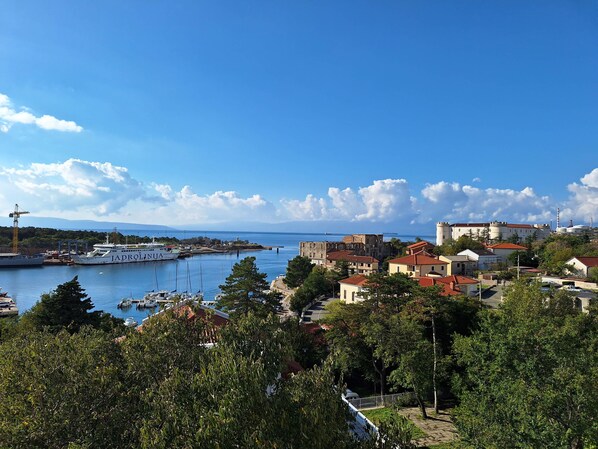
(350, 395)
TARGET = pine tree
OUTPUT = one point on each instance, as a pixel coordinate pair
(246, 290)
(66, 307)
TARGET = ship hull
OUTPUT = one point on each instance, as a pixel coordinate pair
(113, 259)
(20, 261)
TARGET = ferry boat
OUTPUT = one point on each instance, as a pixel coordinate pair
(113, 253)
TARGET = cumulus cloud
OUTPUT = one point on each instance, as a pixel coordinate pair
(100, 188)
(9, 116)
(382, 201)
(452, 201)
(583, 202)
(81, 189)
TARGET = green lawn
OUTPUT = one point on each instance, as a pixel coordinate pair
(379, 414)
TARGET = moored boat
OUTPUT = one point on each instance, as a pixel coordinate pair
(16, 260)
(113, 253)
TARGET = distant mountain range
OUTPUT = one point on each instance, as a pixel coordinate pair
(88, 225)
(302, 227)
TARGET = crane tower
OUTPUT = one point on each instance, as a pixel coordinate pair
(15, 227)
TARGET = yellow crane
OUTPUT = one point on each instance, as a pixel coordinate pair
(15, 227)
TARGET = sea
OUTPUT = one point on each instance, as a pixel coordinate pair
(106, 285)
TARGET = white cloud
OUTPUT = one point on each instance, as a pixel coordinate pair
(382, 201)
(583, 202)
(81, 189)
(454, 202)
(9, 116)
(98, 188)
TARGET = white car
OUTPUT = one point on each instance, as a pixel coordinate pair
(350, 395)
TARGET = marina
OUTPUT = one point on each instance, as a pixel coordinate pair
(108, 285)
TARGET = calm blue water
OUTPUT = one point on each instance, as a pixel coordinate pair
(107, 285)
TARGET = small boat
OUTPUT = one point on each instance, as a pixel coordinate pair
(8, 306)
(130, 322)
(149, 303)
(125, 303)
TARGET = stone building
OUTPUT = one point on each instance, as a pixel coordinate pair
(372, 245)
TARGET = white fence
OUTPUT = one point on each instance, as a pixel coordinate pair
(386, 400)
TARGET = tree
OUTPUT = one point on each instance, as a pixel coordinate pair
(298, 269)
(315, 285)
(67, 307)
(57, 389)
(528, 374)
(352, 341)
(246, 290)
(593, 274)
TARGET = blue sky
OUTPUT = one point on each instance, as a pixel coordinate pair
(401, 113)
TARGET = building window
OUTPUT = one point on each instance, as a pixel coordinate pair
(353, 296)
(442, 267)
(344, 294)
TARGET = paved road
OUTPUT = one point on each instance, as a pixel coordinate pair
(317, 311)
(493, 296)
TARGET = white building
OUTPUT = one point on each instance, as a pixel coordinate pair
(583, 264)
(352, 288)
(493, 231)
(483, 257)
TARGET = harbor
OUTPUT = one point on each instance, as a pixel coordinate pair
(107, 285)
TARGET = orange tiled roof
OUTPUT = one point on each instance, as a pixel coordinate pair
(349, 257)
(446, 288)
(457, 279)
(506, 245)
(419, 244)
(588, 261)
(358, 279)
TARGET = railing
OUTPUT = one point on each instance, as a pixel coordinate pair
(380, 401)
(362, 427)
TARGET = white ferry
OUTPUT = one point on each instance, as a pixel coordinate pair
(113, 253)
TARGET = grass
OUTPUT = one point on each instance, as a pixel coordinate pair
(380, 414)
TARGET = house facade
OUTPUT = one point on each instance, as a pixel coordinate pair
(418, 265)
(461, 265)
(351, 289)
(582, 264)
(484, 258)
(356, 264)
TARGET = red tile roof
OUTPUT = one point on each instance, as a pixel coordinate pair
(349, 257)
(505, 245)
(457, 279)
(588, 261)
(358, 279)
(417, 259)
(446, 288)
(419, 244)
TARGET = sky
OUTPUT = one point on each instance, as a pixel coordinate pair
(387, 114)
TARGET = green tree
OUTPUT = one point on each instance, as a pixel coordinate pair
(593, 274)
(315, 285)
(67, 307)
(58, 389)
(298, 269)
(353, 342)
(528, 375)
(246, 290)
